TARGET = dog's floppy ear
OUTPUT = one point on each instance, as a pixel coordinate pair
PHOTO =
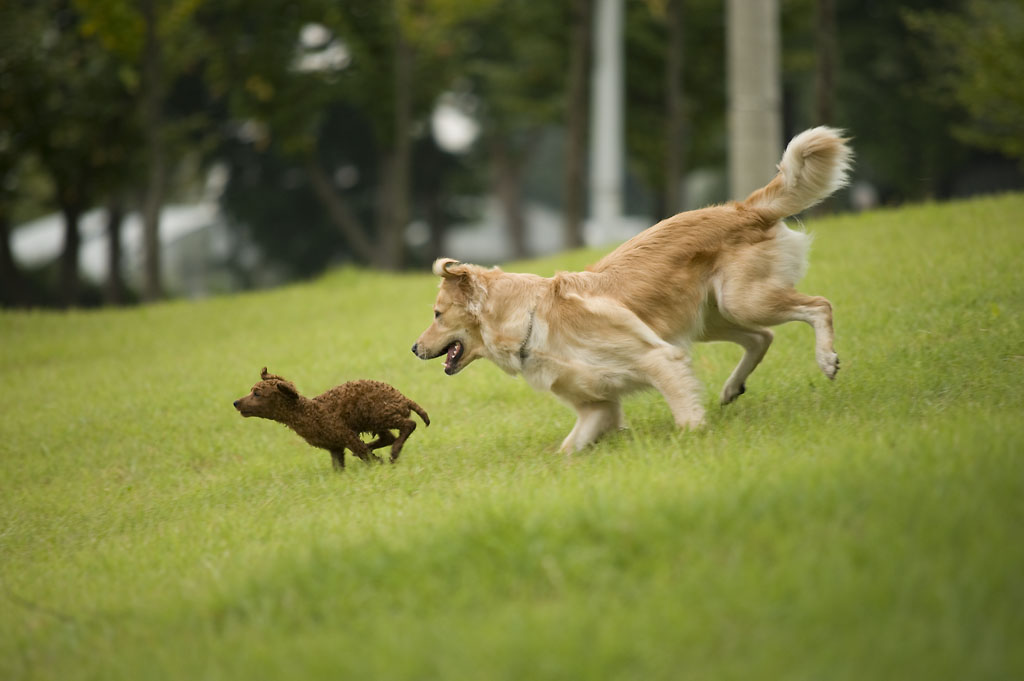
(450, 268)
(469, 279)
(465, 275)
(288, 390)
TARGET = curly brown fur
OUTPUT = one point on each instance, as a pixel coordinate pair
(334, 419)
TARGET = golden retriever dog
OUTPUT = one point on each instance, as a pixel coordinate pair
(722, 273)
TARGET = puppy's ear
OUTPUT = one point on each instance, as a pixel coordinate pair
(288, 390)
(267, 376)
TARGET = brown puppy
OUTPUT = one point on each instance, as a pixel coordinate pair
(722, 273)
(334, 420)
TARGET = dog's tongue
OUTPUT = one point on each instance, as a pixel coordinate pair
(453, 351)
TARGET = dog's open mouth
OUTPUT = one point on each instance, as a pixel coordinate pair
(451, 360)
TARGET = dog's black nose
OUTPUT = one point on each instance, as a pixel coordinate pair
(414, 348)
(235, 404)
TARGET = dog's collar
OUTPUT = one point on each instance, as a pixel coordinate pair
(523, 353)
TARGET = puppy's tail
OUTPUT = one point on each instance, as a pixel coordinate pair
(421, 411)
(813, 167)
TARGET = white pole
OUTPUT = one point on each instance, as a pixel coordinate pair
(755, 98)
(607, 135)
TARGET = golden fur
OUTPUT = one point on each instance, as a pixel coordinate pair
(722, 273)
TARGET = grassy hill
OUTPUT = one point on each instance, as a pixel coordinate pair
(871, 528)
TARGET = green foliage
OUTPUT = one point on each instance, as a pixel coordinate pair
(118, 25)
(978, 59)
(904, 145)
(300, 123)
(434, 25)
(862, 529)
(121, 28)
(704, 69)
(515, 61)
(63, 100)
(255, 67)
(253, 72)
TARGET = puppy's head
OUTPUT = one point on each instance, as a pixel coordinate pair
(272, 398)
(455, 332)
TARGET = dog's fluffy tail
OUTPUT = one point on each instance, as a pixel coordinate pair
(421, 411)
(814, 166)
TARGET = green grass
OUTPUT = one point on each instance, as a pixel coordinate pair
(871, 528)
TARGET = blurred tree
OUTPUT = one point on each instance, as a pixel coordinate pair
(292, 74)
(657, 37)
(12, 285)
(153, 79)
(577, 118)
(114, 291)
(282, 90)
(515, 64)
(826, 46)
(668, 131)
(19, 30)
(68, 105)
(977, 60)
(675, 121)
(902, 138)
(139, 36)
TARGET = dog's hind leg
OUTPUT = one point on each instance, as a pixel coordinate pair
(755, 342)
(405, 428)
(384, 438)
(594, 420)
(765, 306)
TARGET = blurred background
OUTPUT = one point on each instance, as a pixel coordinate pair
(185, 148)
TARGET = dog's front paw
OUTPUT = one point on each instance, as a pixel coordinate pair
(692, 422)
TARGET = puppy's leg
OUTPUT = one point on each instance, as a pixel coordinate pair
(668, 369)
(384, 438)
(338, 459)
(360, 449)
(764, 306)
(404, 431)
(755, 342)
(594, 420)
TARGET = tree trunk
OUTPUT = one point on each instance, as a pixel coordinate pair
(438, 223)
(508, 185)
(12, 285)
(152, 84)
(385, 216)
(339, 212)
(68, 268)
(581, 36)
(114, 290)
(675, 134)
(824, 81)
(393, 211)
(824, 73)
